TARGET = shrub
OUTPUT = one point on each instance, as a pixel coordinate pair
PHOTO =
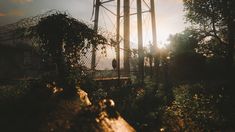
(194, 108)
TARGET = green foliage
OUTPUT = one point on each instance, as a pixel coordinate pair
(62, 41)
(194, 108)
(214, 22)
(212, 48)
(23, 105)
(59, 31)
(185, 62)
(139, 105)
(183, 42)
(9, 93)
(187, 66)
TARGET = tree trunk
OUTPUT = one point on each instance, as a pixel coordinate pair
(64, 81)
(231, 42)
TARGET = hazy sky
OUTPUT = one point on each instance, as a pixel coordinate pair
(169, 14)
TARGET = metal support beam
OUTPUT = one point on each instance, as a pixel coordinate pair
(154, 31)
(127, 36)
(118, 40)
(93, 59)
(140, 42)
(154, 35)
(103, 2)
(108, 10)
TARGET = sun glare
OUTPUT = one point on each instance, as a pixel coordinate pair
(147, 40)
(161, 45)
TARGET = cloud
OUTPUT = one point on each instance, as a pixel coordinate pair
(15, 12)
(20, 1)
(179, 1)
(2, 14)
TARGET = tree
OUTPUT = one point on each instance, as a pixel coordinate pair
(185, 41)
(185, 62)
(214, 19)
(62, 40)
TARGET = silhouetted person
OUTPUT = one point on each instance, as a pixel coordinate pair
(114, 64)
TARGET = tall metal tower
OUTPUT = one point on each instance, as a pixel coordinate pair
(126, 35)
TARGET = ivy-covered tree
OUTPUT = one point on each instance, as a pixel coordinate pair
(214, 19)
(62, 39)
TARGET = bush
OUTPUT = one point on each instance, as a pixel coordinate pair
(194, 108)
(187, 66)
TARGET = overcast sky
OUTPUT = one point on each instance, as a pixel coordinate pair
(169, 14)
